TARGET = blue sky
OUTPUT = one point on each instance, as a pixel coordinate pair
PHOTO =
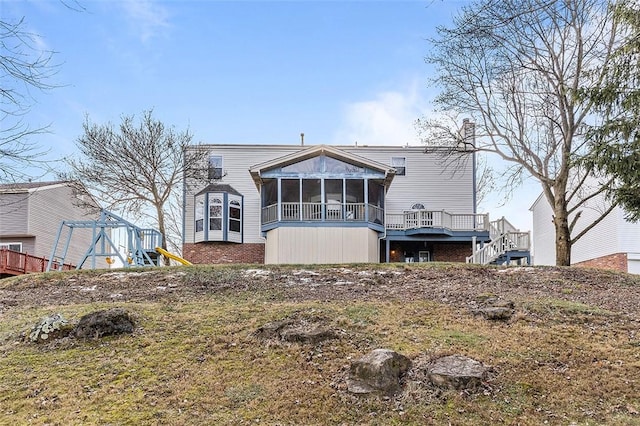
(243, 71)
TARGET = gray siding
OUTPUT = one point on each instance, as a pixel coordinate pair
(14, 211)
(48, 207)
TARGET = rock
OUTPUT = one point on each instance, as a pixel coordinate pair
(496, 309)
(495, 313)
(457, 372)
(104, 323)
(378, 372)
(295, 332)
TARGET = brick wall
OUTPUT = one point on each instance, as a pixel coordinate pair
(616, 261)
(222, 252)
(451, 252)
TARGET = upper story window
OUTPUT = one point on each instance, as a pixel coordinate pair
(400, 164)
(215, 167)
(417, 206)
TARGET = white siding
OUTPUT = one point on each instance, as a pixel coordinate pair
(601, 240)
(629, 234)
(612, 235)
(307, 245)
(438, 183)
(544, 235)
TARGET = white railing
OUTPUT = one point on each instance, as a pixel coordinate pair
(509, 241)
(333, 211)
(437, 219)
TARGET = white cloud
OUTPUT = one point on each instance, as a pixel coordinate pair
(385, 120)
(147, 17)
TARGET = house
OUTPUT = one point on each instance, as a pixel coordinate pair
(336, 204)
(30, 217)
(614, 243)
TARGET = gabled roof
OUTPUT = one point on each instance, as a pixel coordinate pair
(318, 150)
(219, 187)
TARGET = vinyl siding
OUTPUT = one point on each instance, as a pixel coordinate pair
(436, 182)
(430, 179)
(14, 211)
(612, 235)
(544, 245)
(629, 236)
(48, 207)
(601, 240)
(307, 245)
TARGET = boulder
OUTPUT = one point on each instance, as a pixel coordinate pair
(104, 323)
(379, 371)
(457, 372)
(496, 309)
(298, 331)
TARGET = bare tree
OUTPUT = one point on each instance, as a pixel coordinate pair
(138, 169)
(516, 67)
(23, 67)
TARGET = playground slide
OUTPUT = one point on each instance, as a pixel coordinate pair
(172, 256)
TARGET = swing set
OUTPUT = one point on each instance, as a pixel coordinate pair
(109, 233)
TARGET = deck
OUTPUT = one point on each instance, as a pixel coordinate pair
(17, 263)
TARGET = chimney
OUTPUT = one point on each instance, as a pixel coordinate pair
(468, 134)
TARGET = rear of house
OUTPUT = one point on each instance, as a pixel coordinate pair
(332, 204)
(31, 214)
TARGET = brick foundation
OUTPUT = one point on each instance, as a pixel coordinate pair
(219, 252)
(616, 261)
(451, 252)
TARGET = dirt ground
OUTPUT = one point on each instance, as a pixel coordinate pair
(458, 285)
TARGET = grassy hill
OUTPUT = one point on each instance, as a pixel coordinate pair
(569, 355)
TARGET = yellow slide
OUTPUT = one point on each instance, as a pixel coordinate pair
(172, 256)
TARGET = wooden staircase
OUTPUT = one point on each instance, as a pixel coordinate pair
(507, 245)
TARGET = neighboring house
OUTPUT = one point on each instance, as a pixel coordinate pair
(31, 214)
(614, 243)
(335, 204)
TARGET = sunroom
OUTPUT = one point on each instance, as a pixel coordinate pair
(322, 200)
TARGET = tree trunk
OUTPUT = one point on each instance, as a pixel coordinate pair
(162, 229)
(563, 235)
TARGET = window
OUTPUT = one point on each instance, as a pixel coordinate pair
(215, 213)
(215, 167)
(234, 216)
(417, 206)
(11, 246)
(199, 214)
(400, 164)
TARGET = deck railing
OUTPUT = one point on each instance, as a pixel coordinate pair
(319, 212)
(437, 219)
(17, 263)
(414, 219)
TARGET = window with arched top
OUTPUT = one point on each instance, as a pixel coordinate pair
(417, 206)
